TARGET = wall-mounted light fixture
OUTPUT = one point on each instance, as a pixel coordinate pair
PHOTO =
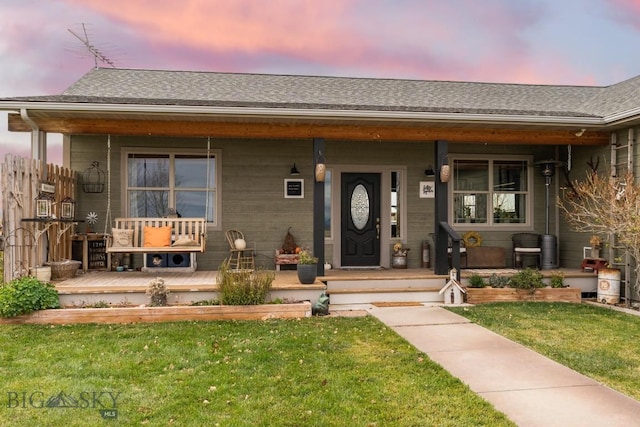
(320, 167)
(294, 170)
(445, 173)
(67, 208)
(429, 171)
(43, 205)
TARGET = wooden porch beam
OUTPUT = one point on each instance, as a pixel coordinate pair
(356, 131)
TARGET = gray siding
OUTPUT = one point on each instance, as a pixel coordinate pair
(253, 173)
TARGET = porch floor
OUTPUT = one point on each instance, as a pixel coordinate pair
(136, 281)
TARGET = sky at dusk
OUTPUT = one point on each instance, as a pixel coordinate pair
(573, 42)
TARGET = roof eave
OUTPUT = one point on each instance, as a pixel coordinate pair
(302, 113)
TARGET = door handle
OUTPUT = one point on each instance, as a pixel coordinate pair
(378, 228)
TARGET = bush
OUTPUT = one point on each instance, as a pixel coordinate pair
(476, 281)
(557, 280)
(496, 281)
(243, 287)
(26, 295)
(527, 279)
(158, 292)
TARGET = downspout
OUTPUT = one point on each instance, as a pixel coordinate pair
(38, 141)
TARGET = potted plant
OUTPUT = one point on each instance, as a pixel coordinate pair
(596, 244)
(307, 267)
(399, 256)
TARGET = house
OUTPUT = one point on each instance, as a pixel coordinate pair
(224, 146)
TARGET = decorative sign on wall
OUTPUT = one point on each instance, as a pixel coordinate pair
(427, 190)
(294, 188)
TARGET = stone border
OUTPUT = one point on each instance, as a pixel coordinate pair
(162, 314)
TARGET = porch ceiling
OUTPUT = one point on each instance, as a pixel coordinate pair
(497, 132)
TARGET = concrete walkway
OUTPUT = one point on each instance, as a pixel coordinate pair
(530, 389)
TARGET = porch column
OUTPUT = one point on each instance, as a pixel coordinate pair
(440, 211)
(318, 207)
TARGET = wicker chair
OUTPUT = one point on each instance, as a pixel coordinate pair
(526, 245)
(240, 256)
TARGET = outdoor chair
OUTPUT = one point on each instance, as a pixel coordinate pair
(241, 257)
(526, 245)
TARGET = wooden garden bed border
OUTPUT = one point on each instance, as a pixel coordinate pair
(66, 316)
(488, 294)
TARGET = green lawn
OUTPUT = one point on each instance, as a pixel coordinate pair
(309, 372)
(598, 342)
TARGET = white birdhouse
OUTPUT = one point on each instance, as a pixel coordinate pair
(452, 290)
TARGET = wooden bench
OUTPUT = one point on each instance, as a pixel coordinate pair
(285, 259)
(164, 235)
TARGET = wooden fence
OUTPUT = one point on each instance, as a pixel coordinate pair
(30, 242)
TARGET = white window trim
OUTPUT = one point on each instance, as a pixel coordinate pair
(528, 225)
(217, 153)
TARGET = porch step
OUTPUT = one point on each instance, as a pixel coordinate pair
(385, 289)
(380, 295)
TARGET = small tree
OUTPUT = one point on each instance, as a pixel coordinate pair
(607, 206)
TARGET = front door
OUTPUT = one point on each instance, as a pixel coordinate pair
(360, 219)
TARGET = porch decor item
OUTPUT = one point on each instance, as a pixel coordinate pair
(445, 173)
(596, 244)
(64, 269)
(67, 208)
(43, 205)
(240, 244)
(92, 219)
(320, 168)
(156, 237)
(399, 256)
(122, 238)
(472, 239)
(93, 179)
(240, 256)
(307, 267)
(289, 246)
(609, 285)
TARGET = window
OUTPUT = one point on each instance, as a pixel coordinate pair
(396, 205)
(327, 203)
(158, 184)
(491, 192)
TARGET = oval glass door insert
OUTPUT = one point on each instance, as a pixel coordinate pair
(360, 207)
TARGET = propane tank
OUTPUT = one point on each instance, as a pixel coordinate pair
(426, 263)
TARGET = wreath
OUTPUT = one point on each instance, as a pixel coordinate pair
(472, 239)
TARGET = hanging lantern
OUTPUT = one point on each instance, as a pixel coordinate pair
(43, 205)
(320, 168)
(445, 173)
(93, 179)
(67, 208)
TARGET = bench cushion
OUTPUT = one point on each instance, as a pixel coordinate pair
(185, 241)
(157, 237)
(122, 238)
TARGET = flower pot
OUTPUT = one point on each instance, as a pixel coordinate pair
(399, 261)
(307, 273)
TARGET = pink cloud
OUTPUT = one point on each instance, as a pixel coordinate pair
(626, 11)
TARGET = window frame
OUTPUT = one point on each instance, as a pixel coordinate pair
(216, 154)
(490, 224)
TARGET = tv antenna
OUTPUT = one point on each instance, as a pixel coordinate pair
(91, 48)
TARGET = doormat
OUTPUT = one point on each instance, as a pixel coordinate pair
(397, 304)
(363, 268)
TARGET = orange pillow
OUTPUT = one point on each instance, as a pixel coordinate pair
(157, 237)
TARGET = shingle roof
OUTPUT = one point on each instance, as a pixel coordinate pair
(130, 86)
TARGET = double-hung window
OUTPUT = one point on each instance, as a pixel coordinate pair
(491, 191)
(163, 182)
